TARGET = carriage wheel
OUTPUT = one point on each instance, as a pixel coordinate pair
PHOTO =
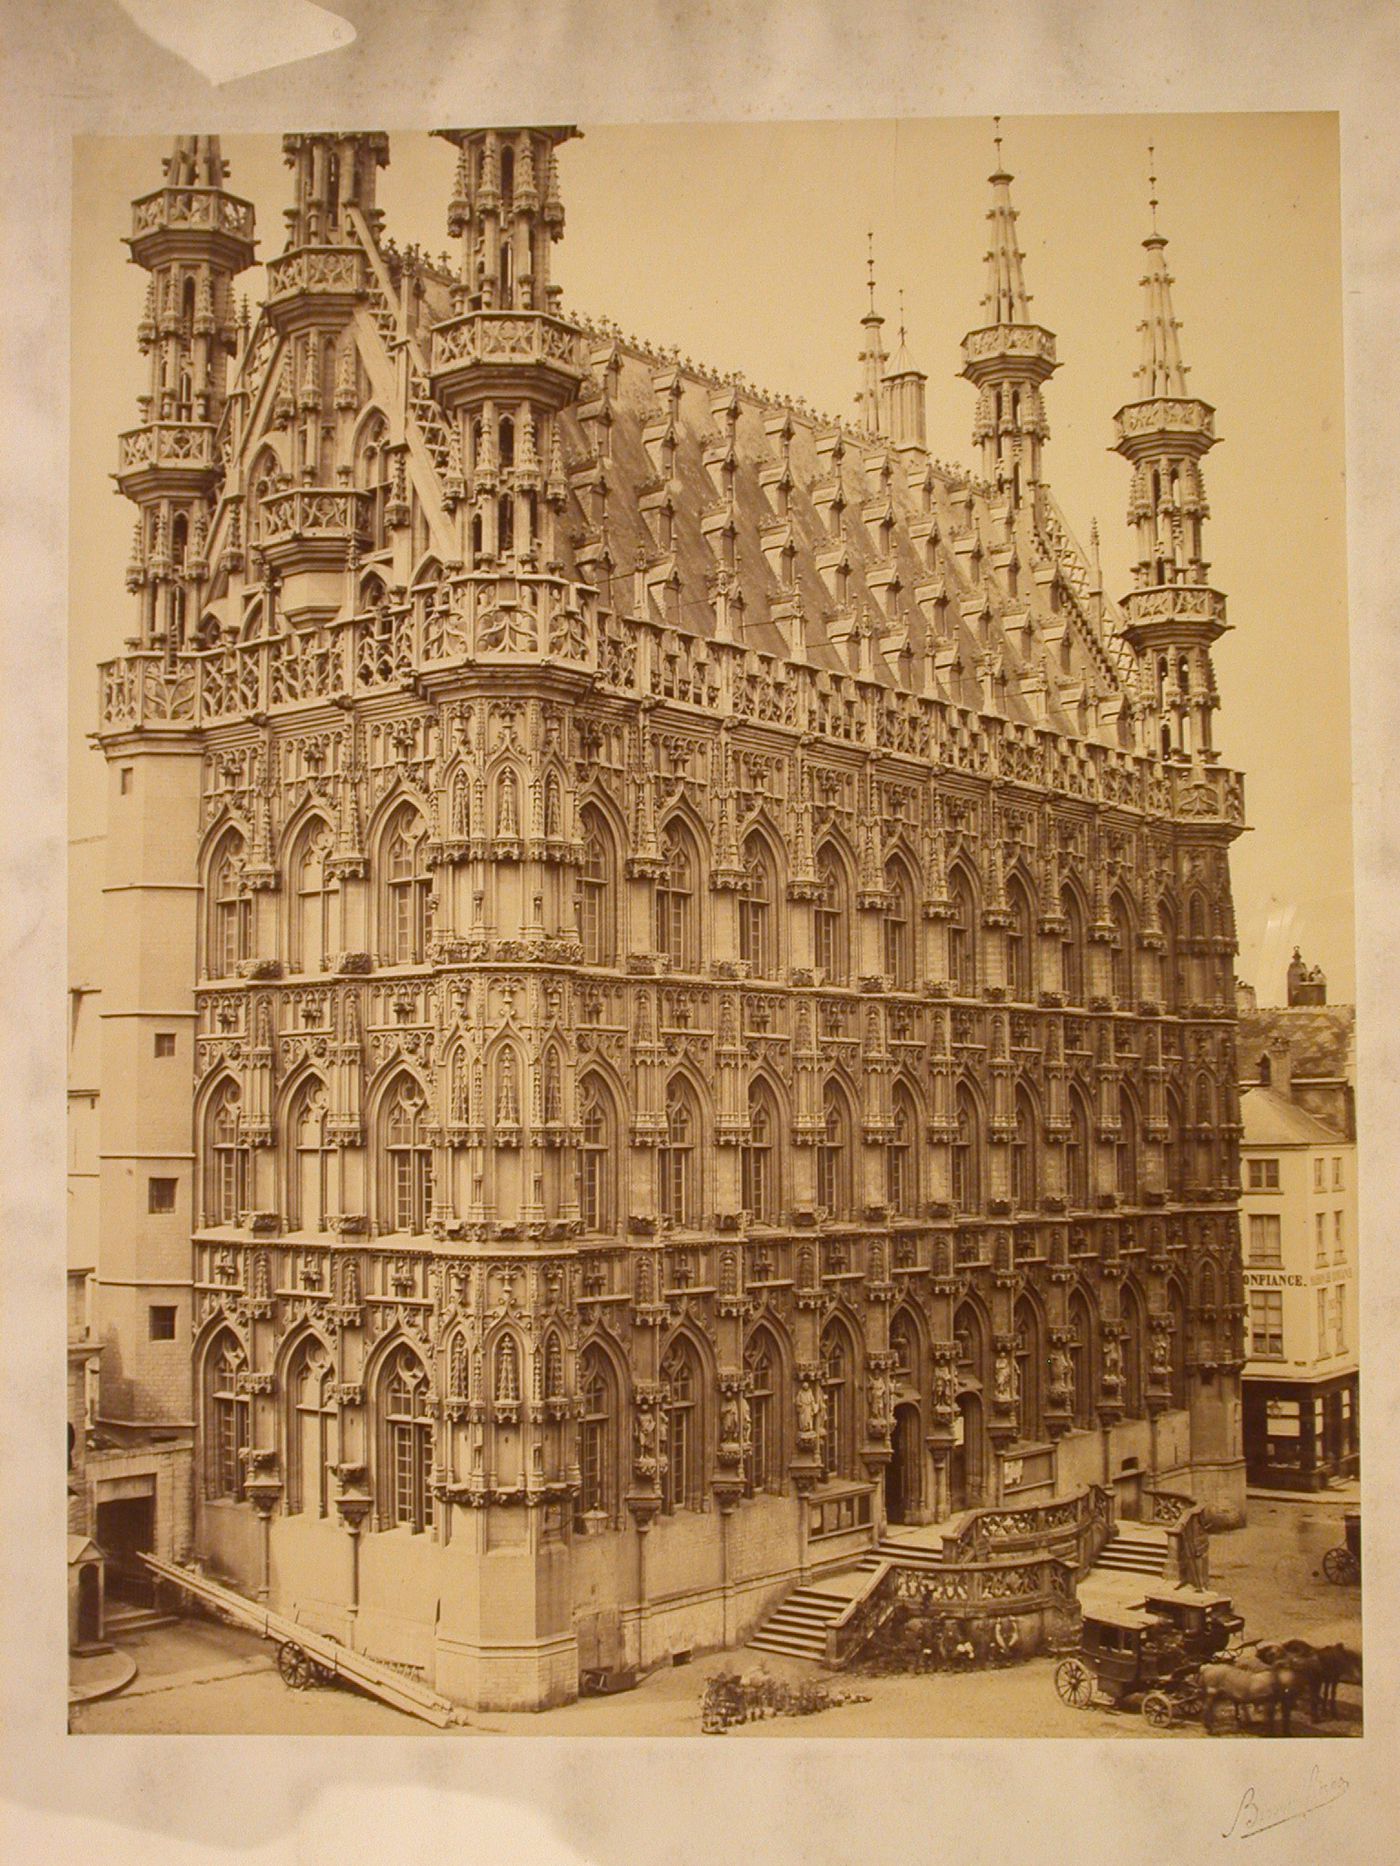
(1157, 1709)
(1341, 1567)
(294, 1666)
(1075, 1683)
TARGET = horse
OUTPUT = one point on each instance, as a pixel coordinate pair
(1323, 1668)
(1250, 1685)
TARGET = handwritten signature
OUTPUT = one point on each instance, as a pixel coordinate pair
(1253, 1816)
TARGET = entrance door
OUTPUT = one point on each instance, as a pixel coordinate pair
(966, 1467)
(126, 1527)
(89, 1604)
(903, 1491)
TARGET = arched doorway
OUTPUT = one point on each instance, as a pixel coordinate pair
(967, 1466)
(89, 1604)
(903, 1486)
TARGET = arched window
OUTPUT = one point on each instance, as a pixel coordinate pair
(966, 1154)
(596, 912)
(1170, 959)
(675, 901)
(1081, 1357)
(1026, 1329)
(833, 1155)
(1175, 1159)
(757, 946)
(506, 441)
(231, 910)
(1024, 1177)
(408, 1159)
(374, 474)
(838, 1403)
(970, 1338)
(832, 925)
(1020, 945)
(309, 1185)
(678, 1158)
(406, 1443)
(1176, 1306)
(903, 1346)
(595, 1160)
(406, 887)
(682, 1481)
(1124, 951)
(1126, 1149)
(262, 484)
(310, 1428)
(898, 923)
(597, 1495)
(1133, 1346)
(226, 1419)
(759, 1193)
(962, 937)
(226, 1159)
(315, 900)
(1072, 970)
(762, 1368)
(901, 1156)
(1077, 1153)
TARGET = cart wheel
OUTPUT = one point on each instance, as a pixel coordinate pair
(1157, 1709)
(1074, 1682)
(294, 1666)
(1340, 1567)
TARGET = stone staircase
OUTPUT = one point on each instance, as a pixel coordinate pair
(1133, 1549)
(797, 1626)
(908, 1553)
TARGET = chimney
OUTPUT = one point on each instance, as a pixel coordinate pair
(1276, 1066)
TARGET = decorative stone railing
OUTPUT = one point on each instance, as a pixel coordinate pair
(312, 511)
(1029, 340)
(504, 337)
(1073, 1528)
(332, 269)
(166, 443)
(1036, 1592)
(1188, 1540)
(192, 207)
(1196, 603)
(1182, 416)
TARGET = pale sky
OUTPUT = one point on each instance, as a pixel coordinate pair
(745, 246)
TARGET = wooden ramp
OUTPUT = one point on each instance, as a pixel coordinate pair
(380, 1681)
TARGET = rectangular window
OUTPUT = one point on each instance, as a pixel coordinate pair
(1322, 1321)
(1266, 1324)
(128, 777)
(1320, 1224)
(160, 1195)
(1319, 1174)
(1263, 1175)
(162, 1322)
(165, 1043)
(1265, 1238)
(1336, 1175)
(1339, 1326)
(1339, 1249)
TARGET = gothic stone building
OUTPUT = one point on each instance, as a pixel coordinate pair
(669, 958)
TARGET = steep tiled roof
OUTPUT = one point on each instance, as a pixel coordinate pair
(1271, 1120)
(1322, 1036)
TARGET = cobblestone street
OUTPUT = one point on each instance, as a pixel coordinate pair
(199, 1678)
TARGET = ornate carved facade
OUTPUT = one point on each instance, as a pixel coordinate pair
(712, 969)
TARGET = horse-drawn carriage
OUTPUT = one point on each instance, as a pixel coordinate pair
(1126, 1654)
(1342, 1565)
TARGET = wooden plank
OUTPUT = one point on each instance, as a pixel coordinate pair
(391, 1687)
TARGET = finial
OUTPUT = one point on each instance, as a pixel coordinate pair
(901, 315)
(996, 137)
(870, 265)
(1152, 182)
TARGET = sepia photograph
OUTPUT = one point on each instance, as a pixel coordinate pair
(711, 964)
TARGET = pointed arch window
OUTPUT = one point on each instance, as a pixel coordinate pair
(905, 1371)
(1026, 1327)
(1024, 1188)
(962, 937)
(1020, 946)
(966, 1152)
(226, 1165)
(675, 901)
(758, 1158)
(597, 1495)
(1077, 1154)
(406, 1444)
(838, 1403)
(595, 1165)
(833, 1154)
(1133, 1345)
(1081, 1361)
(761, 1370)
(898, 924)
(677, 1158)
(315, 901)
(1124, 951)
(226, 1434)
(309, 1201)
(901, 1179)
(1126, 1149)
(310, 1429)
(374, 474)
(756, 897)
(682, 1480)
(1176, 1306)
(408, 1159)
(1170, 959)
(262, 484)
(1175, 1159)
(596, 891)
(406, 887)
(231, 910)
(832, 926)
(1072, 969)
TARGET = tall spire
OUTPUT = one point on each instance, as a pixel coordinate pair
(1008, 356)
(871, 400)
(1173, 613)
(904, 394)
